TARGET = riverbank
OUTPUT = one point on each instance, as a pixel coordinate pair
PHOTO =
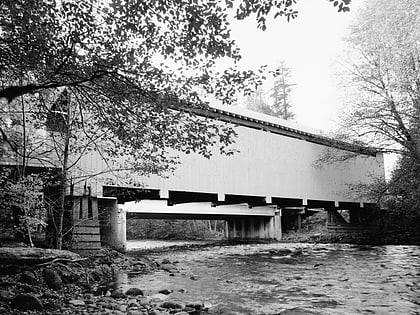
(314, 230)
(85, 286)
(92, 284)
(390, 237)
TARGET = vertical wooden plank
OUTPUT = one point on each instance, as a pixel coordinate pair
(261, 228)
(95, 208)
(243, 232)
(80, 201)
(84, 208)
(226, 229)
(251, 227)
(76, 209)
(299, 222)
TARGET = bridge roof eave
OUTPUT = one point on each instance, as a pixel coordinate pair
(250, 119)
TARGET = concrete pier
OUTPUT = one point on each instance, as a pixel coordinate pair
(112, 224)
(255, 227)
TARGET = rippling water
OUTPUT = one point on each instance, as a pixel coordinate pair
(293, 278)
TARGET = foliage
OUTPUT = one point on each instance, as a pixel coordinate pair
(174, 229)
(257, 102)
(119, 78)
(106, 59)
(22, 208)
(404, 193)
(6, 213)
(385, 76)
(276, 8)
(401, 220)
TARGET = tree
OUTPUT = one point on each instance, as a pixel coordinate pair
(257, 102)
(279, 105)
(384, 73)
(280, 94)
(105, 71)
(79, 43)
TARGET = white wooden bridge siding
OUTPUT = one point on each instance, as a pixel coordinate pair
(268, 164)
(275, 166)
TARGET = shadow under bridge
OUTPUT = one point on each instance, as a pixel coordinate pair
(242, 221)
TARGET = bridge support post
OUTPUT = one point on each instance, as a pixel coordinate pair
(277, 225)
(254, 227)
(112, 224)
(86, 234)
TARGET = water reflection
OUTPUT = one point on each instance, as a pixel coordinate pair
(293, 278)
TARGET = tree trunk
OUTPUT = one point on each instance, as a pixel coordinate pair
(25, 255)
(28, 229)
(64, 173)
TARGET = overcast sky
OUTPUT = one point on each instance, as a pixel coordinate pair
(311, 46)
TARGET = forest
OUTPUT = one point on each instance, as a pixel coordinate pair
(82, 76)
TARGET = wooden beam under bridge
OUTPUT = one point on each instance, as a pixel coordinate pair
(196, 209)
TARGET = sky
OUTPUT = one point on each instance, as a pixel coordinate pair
(311, 46)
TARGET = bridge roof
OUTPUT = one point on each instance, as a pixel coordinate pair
(247, 118)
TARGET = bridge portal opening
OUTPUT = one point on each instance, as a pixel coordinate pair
(140, 228)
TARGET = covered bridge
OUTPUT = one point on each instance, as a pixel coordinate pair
(280, 168)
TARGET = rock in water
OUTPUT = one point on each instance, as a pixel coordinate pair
(134, 292)
(77, 302)
(172, 305)
(52, 279)
(26, 302)
(117, 294)
(28, 277)
(165, 291)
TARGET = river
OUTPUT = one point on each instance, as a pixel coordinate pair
(281, 278)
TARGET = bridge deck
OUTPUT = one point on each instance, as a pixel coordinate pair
(194, 210)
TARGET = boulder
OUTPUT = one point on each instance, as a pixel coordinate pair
(144, 301)
(26, 302)
(134, 292)
(26, 288)
(5, 295)
(77, 302)
(52, 279)
(118, 294)
(195, 305)
(28, 277)
(281, 252)
(48, 295)
(165, 261)
(169, 268)
(165, 291)
(172, 305)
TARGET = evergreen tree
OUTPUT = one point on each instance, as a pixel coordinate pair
(258, 102)
(280, 94)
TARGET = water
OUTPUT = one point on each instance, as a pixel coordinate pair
(292, 278)
(153, 244)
